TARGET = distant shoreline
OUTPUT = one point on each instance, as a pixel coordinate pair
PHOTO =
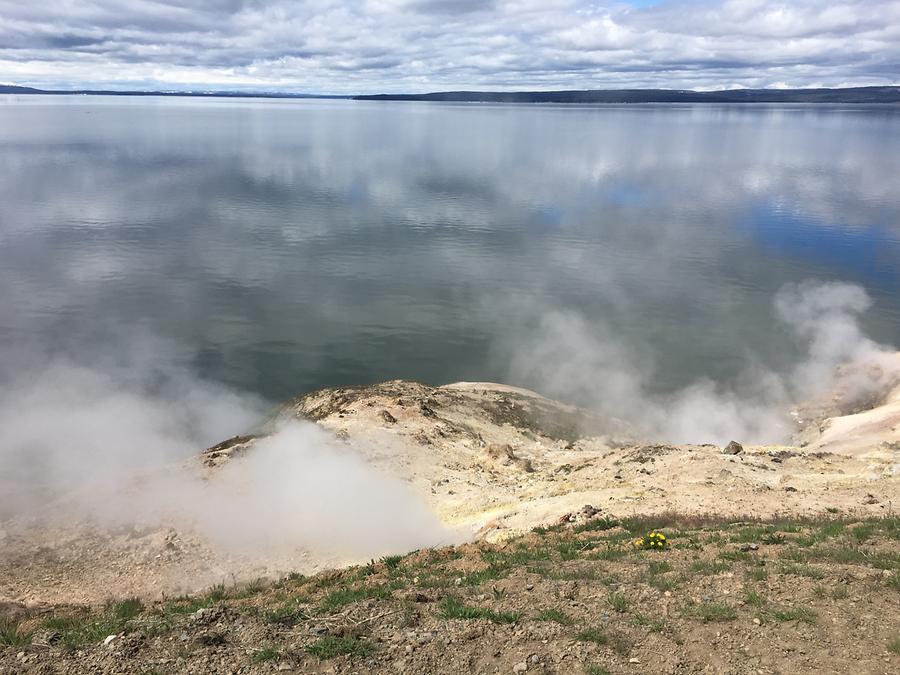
(859, 95)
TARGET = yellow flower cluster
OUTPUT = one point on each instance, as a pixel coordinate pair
(653, 540)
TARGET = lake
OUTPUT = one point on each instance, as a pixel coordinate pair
(283, 245)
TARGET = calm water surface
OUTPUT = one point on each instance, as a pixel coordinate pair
(286, 245)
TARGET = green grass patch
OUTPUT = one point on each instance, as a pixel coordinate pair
(754, 599)
(800, 570)
(555, 616)
(11, 634)
(452, 608)
(392, 561)
(596, 635)
(609, 553)
(596, 670)
(342, 597)
(757, 573)
(330, 646)
(655, 567)
(656, 625)
(618, 602)
(263, 655)
(711, 611)
(285, 615)
(86, 628)
(492, 573)
(804, 614)
(893, 645)
(736, 556)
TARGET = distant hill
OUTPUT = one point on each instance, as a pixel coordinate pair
(12, 89)
(845, 95)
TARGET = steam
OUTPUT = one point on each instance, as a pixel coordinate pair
(108, 440)
(566, 356)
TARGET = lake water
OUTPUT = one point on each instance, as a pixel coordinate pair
(286, 245)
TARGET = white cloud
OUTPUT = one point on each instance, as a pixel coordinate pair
(363, 46)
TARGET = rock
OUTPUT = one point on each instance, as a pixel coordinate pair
(634, 660)
(733, 448)
(870, 499)
(588, 511)
(520, 667)
(109, 640)
(387, 417)
(749, 547)
(790, 489)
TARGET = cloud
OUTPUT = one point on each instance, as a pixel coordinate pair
(365, 46)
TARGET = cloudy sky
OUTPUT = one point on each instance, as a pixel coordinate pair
(370, 46)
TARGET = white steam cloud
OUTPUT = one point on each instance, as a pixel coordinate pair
(110, 441)
(575, 359)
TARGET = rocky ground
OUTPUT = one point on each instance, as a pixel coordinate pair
(795, 571)
(786, 596)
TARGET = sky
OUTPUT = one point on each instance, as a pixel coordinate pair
(373, 46)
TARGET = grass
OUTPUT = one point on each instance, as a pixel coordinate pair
(596, 670)
(555, 616)
(712, 611)
(596, 635)
(655, 625)
(341, 597)
(618, 602)
(655, 567)
(757, 573)
(285, 615)
(802, 614)
(839, 593)
(330, 646)
(84, 628)
(11, 636)
(263, 655)
(893, 645)
(754, 599)
(800, 570)
(452, 608)
(392, 561)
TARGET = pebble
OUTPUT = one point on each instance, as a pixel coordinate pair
(634, 660)
(520, 667)
(109, 639)
(757, 621)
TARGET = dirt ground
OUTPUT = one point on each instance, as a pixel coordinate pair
(788, 596)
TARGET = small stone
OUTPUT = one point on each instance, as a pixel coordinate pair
(387, 417)
(733, 448)
(520, 667)
(284, 667)
(535, 659)
(870, 499)
(790, 489)
(757, 621)
(109, 639)
(634, 660)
